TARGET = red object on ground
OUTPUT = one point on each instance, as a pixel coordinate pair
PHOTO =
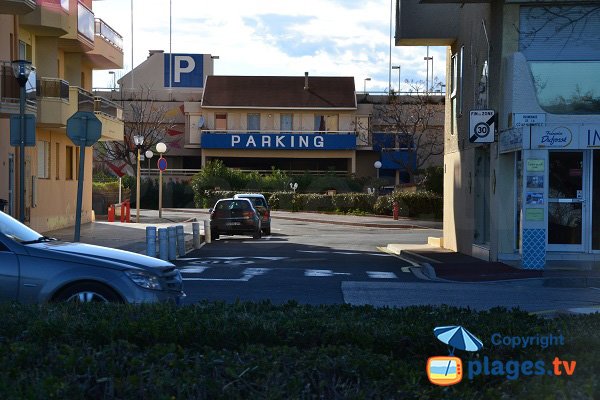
(123, 212)
(128, 211)
(396, 210)
(111, 213)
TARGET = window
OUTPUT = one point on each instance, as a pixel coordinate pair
(69, 163)
(254, 122)
(77, 149)
(460, 80)
(286, 122)
(221, 122)
(454, 94)
(57, 161)
(326, 123)
(43, 159)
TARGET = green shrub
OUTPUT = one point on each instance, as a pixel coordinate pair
(314, 202)
(347, 202)
(420, 203)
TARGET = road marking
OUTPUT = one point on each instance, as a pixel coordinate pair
(406, 269)
(381, 275)
(223, 262)
(313, 251)
(192, 270)
(323, 272)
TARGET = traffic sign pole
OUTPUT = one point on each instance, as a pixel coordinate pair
(162, 165)
(79, 192)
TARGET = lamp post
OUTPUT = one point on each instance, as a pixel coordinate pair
(114, 80)
(399, 68)
(377, 164)
(21, 70)
(149, 154)
(160, 148)
(365, 85)
(139, 141)
(427, 79)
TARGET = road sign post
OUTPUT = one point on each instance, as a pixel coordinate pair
(162, 166)
(482, 126)
(84, 129)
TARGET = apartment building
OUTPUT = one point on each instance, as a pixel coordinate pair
(522, 142)
(64, 43)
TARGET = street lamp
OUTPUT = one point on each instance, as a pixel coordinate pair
(21, 70)
(427, 79)
(399, 68)
(139, 141)
(149, 154)
(377, 164)
(365, 85)
(114, 86)
(160, 148)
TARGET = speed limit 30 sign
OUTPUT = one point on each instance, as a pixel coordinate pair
(482, 126)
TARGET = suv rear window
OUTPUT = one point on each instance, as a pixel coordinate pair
(233, 204)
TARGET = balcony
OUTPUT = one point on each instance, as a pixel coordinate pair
(53, 103)
(10, 92)
(17, 7)
(80, 40)
(111, 116)
(108, 47)
(48, 18)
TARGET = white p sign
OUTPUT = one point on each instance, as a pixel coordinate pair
(183, 64)
(184, 70)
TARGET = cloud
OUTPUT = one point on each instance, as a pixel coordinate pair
(283, 37)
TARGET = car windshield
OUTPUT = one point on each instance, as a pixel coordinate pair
(257, 201)
(16, 231)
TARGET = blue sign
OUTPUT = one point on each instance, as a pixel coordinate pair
(279, 141)
(402, 160)
(15, 130)
(188, 70)
(162, 164)
(84, 128)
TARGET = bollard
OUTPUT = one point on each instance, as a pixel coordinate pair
(172, 232)
(151, 241)
(196, 234)
(122, 212)
(128, 211)
(180, 240)
(111, 213)
(396, 210)
(163, 244)
(207, 235)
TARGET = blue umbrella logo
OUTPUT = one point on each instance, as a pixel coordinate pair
(458, 338)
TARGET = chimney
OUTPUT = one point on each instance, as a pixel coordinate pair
(306, 81)
(153, 52)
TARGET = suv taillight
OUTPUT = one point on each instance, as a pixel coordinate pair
(248, 214)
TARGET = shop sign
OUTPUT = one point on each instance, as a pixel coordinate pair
(553, 137)
(535, 165)
(593, 135)
(275, 141)
(530, 119)
(510, 140)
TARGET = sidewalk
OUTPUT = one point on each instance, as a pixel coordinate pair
(442, 264)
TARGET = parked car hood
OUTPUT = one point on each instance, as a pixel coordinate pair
(95, 255)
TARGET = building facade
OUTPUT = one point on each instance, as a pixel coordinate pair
(65, 43)
(522, 143)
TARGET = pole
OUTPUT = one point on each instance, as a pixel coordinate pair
(170, 50)
(22, 154)
(79, 192)
(137, 189)
(427, 78)
(160, 193)
(131, 44)
(390, 66)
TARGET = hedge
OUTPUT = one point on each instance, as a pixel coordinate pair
(261, 350)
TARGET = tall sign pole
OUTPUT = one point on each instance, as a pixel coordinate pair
(162, 165)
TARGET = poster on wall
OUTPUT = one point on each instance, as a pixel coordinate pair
(535, 181)
(534, 214)
(534, 198)
(535, 165)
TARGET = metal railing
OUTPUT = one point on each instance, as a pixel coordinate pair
(85, 100)
(108, 108)
(52, 88)
(107, 33)
(293, 172)
(10, 91)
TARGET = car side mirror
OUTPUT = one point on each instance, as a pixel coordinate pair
(210, 210)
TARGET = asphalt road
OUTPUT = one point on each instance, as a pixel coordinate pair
(302, 261)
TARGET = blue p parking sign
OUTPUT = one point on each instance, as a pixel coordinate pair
(184, 70)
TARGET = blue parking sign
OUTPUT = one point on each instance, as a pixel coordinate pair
(184, 70)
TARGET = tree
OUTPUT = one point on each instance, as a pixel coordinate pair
(143, 116)
(409, 129)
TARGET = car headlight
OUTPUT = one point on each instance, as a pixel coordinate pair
(145, 280)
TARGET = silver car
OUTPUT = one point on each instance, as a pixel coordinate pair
(38, 269)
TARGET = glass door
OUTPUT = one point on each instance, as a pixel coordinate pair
(566, 200)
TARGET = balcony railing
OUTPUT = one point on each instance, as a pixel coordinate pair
(85, 21)
(108, 108)
(10, 89)
(53, 88)
(107, 33)
(85, 100)
(271, 131)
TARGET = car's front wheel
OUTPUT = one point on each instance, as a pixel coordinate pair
(88, 292)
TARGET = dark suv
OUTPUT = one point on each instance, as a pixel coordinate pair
(235, 217)
(260, 203)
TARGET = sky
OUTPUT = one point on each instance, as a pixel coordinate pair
(273, 37)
